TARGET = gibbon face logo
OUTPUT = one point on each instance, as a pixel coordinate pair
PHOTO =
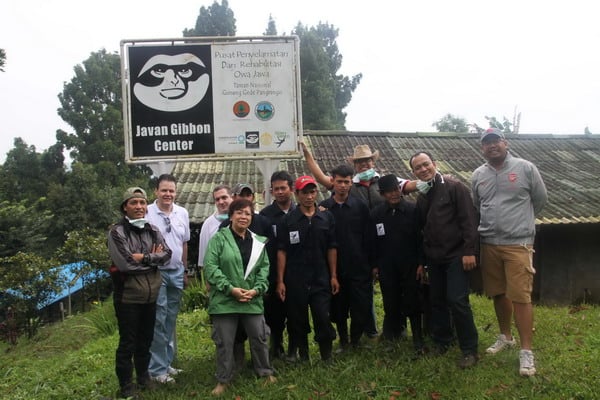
(172, 83)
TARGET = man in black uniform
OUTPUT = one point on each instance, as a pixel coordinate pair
(400, 259)
(355, 275)
(282, 192)
(306, 271)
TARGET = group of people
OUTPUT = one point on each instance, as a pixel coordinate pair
(266, 271)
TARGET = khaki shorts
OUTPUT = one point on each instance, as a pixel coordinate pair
(508, 270)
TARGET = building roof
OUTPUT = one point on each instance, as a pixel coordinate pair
(569, 165)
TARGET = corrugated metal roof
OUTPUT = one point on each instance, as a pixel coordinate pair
(570, 167)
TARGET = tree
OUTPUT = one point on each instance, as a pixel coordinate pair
(23, 228)
(21, 175)
(27, 282)
(92, 104)
(451, 123)
(505, 126)
(84, 200)
(271, 27)
(2, 59)
(216, 20)
(87, 248)
(324, 93)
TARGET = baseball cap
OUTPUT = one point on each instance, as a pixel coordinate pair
(132, 192)
(492, 131)
(304, 180)
(237, 189)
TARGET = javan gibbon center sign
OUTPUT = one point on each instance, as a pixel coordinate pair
(211, 98)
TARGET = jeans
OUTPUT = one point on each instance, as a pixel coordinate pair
(449, 291)
(167, 308)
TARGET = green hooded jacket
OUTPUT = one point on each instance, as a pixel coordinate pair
(223, 270)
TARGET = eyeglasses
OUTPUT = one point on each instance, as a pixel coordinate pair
(168, 222)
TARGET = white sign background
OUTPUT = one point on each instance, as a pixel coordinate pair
(256, 105)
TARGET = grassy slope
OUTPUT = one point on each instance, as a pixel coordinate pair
(71, 361)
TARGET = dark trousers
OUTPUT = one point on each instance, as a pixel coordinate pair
(298, 299)
(449, 291)
(355, 299)
(275, 316)
(136, 331)
(399, 301)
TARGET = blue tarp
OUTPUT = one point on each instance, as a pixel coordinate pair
(73, 282)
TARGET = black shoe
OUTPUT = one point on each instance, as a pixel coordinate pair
(468, 360)
(129, 391)
(439, 350)
(146, 383)
(325, 350)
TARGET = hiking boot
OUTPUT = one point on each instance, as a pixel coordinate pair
(501, 343)
(145, 382)
(526, 363)
(129, 391)
(468, 360)
(163, 379)
(438, 350)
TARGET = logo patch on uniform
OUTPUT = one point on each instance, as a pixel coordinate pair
(512, 177)
(294, 237)
(380, 229)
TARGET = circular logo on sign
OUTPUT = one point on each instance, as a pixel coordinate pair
(241, 109)
(264, 111)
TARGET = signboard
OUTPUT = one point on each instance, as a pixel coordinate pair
(212, 98)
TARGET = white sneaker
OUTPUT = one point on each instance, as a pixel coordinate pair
(163, 379)
(526, 363)
(501, 343)
(173, 371)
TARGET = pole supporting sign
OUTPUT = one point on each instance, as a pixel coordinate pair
(211, 98)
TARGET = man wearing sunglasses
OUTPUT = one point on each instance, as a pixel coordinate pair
(174, 225)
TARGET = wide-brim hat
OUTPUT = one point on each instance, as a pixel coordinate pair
(363, 151)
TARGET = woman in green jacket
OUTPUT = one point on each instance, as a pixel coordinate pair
(237, 267)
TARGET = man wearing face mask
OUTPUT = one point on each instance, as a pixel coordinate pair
(223, 198)
(364, 181)
(365, 187)
(136, 249)
(447, 220)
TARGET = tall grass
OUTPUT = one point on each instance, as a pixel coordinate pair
(67, 362)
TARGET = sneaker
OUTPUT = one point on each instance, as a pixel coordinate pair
(501, 343)
(173, 371)
(163, 379)
(468, 360)
(526, 363)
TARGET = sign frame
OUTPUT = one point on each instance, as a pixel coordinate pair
(260, 75)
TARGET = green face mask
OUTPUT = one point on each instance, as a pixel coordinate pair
(221, 217)
(138, 223)
(366, 175)
(423, 187)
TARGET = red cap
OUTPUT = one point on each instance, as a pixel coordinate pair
(304, 180)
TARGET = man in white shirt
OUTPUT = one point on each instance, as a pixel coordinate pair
(174, 224)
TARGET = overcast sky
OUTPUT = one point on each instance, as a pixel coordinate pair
(420, 59)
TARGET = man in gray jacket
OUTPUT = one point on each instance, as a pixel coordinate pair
(508, 192)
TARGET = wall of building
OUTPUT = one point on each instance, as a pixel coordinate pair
(567, 261)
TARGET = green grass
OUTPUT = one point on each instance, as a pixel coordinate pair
(74, 360)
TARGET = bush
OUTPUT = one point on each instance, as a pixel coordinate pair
(195, 296)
